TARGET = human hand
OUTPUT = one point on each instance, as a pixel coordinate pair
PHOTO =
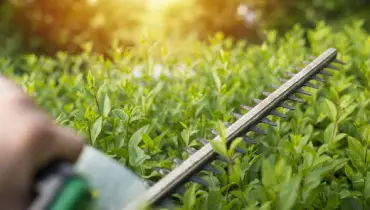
(29, 140)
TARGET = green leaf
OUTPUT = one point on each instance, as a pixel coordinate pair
(136, 155)
(190, 198)
(96, 129)
(234, 144)
(137, 137)
(219, 147)
(268, 174)
(356, 153)
(289, 193)
(185, 136)
(217, 81)
(120, 113)
(106, 106)
(221, 129)
(147, 140)
(331, 110)
(214, 200)
(328, 134)
(367, 186)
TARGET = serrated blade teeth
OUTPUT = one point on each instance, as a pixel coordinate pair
(198, 180)
(286, 106)
(329, 66)
(282, 80)
(227, 124)
(274, 86)
(295, 98)
(190, 150)
(257, 101)
(239, 150)
(309, 84)
(269, 122)
(339, 61)
(314, 77)
(245, 107)
(290, 74)
(302, 91)
(325, 73)
(180, 190)
(177, 161)
(258, 130)
(276, 113)
(212, 169)
(248, 139)
(297, 68)
(214, 132)
(162, 171)
(237, 115)
(266, 93)
(311, 57)
(202, 141)
(306, 62)
(149, 183)
(222, 158)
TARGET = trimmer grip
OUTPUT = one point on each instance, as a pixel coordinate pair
(57, 187)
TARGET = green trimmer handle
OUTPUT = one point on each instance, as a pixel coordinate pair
(57, 187)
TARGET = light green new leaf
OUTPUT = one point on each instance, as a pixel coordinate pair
(234, 144)
(96, 129)
(328, 134)
(217, 81)
(136, 154)
(120, 113)
(356, 151)
(185, 136)
(221, 129)
(331, 110)
(190, 198)
(106, 106)
(147, 140)
(219, 147)
(137, 137)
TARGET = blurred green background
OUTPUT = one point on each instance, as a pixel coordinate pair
(45, 27)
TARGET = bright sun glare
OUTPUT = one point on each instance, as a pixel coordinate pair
(160, 3)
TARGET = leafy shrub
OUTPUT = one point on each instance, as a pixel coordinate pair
(144, 112)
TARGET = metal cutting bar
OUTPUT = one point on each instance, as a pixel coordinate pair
(195, 162)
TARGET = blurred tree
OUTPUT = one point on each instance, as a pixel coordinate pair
(65, 25)
(204, 18)
(249, 18)
(48, 26)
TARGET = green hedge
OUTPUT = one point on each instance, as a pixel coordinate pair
(144, 112)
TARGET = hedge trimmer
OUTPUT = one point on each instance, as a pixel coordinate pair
(98, 182)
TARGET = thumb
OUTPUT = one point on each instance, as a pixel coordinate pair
(58, 143)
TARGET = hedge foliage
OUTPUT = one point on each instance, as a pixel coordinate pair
(144, 112)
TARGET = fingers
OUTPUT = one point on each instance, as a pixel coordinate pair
(54, 142)
(38, 134)
(69, 145)
(11, 94)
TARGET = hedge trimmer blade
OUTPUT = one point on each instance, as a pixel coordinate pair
(187, 170)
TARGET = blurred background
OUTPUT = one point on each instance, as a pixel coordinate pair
(45, 26)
